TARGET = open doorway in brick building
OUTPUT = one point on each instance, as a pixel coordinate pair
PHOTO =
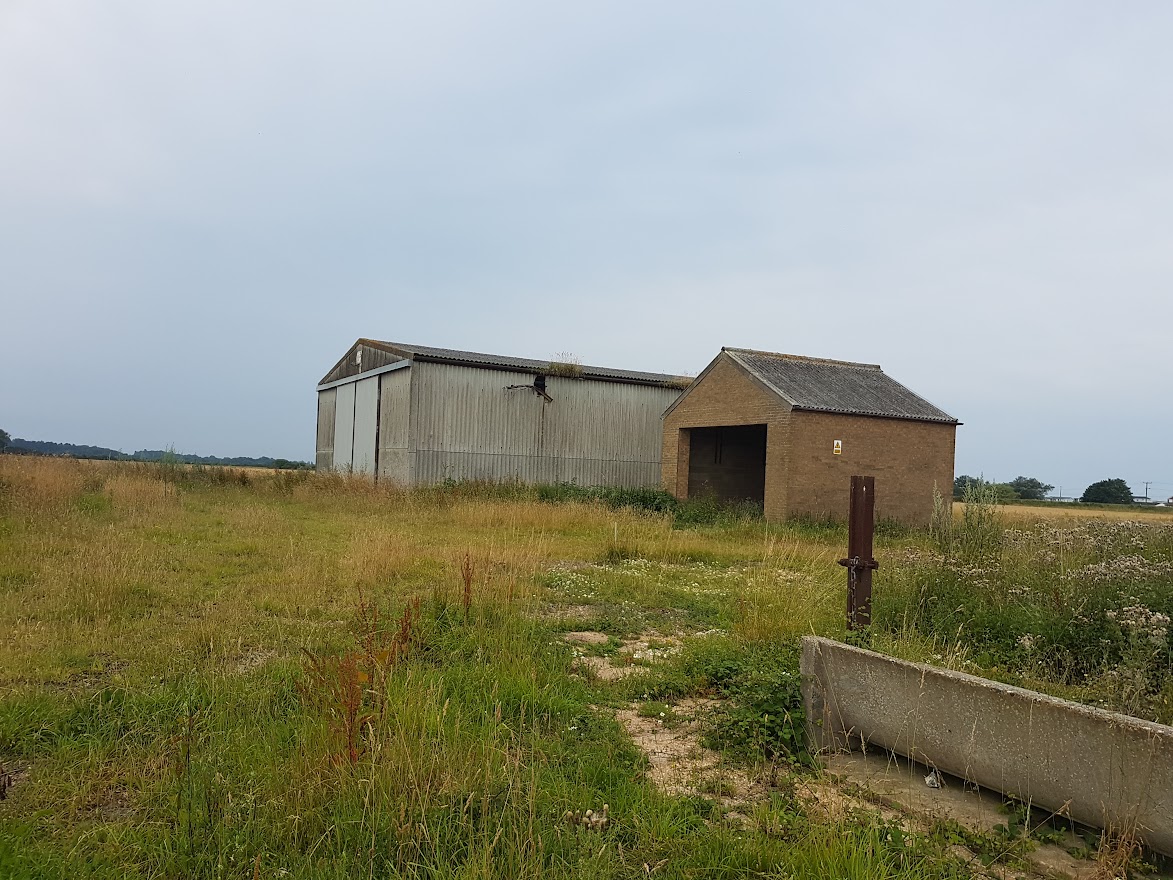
(727, 463)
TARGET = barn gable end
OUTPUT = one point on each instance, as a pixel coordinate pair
(788, 431)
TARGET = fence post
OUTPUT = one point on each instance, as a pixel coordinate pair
(859, 562)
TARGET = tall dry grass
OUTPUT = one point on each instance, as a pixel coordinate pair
(198, 679)
(144, 568)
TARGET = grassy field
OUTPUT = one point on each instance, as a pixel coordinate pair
(204, 674)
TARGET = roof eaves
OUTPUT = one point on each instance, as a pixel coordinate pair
(947, 416)
(949, 420)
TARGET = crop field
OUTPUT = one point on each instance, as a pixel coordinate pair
(243, 674)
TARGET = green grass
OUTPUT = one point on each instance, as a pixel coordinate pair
(1078, 608)
(206, 673)
(473, 749)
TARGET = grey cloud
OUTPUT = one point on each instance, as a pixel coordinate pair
(204, 204)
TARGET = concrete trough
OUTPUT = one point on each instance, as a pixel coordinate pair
(1099, 768)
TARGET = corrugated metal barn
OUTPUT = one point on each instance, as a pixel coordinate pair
(789, 431)
(416, 415)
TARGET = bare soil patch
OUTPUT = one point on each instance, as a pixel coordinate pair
(253, 659)
(113, 804)
(586, 638)
(558, 612)
(11, 775)
(678, 764)
(634, 655)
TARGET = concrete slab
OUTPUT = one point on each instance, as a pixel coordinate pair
(899, 783)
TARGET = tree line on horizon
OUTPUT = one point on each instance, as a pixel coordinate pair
(102, 453)
(1113, 491)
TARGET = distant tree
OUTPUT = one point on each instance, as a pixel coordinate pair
(979, 489)
(1108, 492)
(285, 464)
(1003, 492)
(4, 438)
(964, 482)
(1029, 488)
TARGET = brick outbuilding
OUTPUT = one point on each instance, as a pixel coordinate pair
(789, 431)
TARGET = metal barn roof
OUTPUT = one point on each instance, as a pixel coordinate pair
(836, 386)
(522, 365)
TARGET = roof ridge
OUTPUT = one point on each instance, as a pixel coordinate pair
(490, 359)
(825, 385)
(802, 357)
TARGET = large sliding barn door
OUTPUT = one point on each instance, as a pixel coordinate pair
(344, 428)
(366, 425)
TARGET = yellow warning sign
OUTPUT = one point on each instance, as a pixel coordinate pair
(838, 447)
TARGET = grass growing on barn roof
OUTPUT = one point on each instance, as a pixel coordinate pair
(566, 365)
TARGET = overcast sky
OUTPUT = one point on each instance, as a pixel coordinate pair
(202, 205)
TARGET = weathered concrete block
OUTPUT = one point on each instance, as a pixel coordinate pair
(1099, 768)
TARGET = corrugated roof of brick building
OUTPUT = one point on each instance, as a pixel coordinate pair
(836, 386)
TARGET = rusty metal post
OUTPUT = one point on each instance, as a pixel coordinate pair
(859, 562)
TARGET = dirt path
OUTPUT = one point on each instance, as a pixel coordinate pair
(632, 656)
(679, 764)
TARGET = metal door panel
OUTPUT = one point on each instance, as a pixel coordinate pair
(366, 421)
(344, 428)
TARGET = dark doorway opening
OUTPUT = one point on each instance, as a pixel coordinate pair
(728, 463)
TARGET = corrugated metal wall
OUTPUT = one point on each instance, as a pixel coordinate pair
(363, 426)
(324, 459)
(366, 425)
(344, 427)
(468, 426)
(394, 426)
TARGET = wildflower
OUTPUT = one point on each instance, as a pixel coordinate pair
(1122, 568)
(1143, 623)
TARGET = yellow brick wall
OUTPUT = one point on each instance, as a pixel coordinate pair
(727, 395)
(908, 459)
